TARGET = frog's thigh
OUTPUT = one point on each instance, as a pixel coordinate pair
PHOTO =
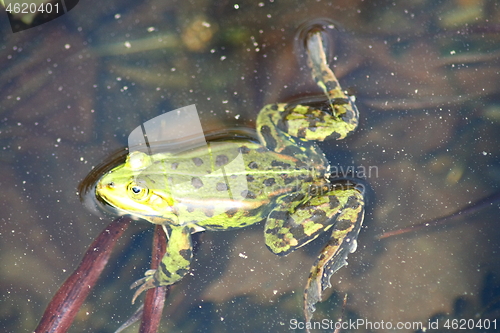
(176, 261)
(298, 220)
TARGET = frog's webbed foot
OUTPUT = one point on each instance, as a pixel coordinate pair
(145, 283)
(334, 255)
(332, 258)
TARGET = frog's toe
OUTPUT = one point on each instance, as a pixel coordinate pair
(147, 275)
(144, 284)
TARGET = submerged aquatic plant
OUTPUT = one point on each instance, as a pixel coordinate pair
(64, 306)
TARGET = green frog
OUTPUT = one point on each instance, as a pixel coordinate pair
(281, 179)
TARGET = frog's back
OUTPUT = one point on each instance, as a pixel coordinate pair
(226, 184)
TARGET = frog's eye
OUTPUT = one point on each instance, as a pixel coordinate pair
(137, 192)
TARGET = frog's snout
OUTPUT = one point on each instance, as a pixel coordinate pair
(102, 187)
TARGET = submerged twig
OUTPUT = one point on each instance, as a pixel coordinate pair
(64, 306)
(152, 308)
(469, 209)
(155, 298)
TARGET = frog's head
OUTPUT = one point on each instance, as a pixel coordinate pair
(129, 189)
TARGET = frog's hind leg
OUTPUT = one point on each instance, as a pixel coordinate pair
(334, 255)
(299, 218)
(336, 118)
(174, 264)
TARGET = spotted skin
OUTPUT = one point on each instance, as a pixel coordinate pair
(343, 241)
(283, 180)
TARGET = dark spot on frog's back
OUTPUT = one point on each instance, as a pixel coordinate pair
(221, 187)
(250, 178)
(301, 165)
(244, 150)
(292, 151)
(209, 211)
(196, 182)
(262, 150)
(174, 166)
(253, 165)
(221, 160)
(231, 212)
(269, 182)
(197, 161)
(280, 164)
(305, 178)
(248, 194)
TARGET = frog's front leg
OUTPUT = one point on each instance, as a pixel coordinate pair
(174, 264)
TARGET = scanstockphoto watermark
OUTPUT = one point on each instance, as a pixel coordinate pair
(329, 324)
(360, 171)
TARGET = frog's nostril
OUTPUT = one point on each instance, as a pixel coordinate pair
(111, 185)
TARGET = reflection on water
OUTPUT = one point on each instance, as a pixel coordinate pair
(425, 74)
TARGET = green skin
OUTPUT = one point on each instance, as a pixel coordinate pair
(282, 180)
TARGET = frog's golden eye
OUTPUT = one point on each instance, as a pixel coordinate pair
(137, 192)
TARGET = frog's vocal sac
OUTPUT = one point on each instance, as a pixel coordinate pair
(286, 185)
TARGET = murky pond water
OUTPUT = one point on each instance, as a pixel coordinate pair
(426, 78)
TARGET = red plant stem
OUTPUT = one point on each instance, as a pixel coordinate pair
(155, 298)
(64, 306)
